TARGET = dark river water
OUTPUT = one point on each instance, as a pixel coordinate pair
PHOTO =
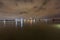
(36, 31)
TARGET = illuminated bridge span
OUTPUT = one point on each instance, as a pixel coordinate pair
(30, 21)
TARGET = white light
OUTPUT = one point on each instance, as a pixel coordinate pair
(24, 20)
(46, 20)
(21, 22)
(4, 22)
(34, 20)
(16, 22)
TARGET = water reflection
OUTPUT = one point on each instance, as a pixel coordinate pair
(29, 29)
(56, 25)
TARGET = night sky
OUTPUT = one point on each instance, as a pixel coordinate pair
(28, 8)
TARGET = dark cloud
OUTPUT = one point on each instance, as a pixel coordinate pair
(57, 7)
(23, 12)
(41, 7)
(57, 4)
(24, 0)
(1, 4)
(45, 2)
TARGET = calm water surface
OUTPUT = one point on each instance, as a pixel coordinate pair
(36, 31)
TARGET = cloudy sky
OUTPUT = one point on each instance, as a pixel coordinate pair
(28, 8)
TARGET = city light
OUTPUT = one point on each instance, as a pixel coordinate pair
(22, 22)
(16, 22)
(4, 22)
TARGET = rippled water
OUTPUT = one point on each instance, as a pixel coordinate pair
(36, 31)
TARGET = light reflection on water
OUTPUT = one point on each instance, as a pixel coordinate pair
(56, 25)
(11, 30)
